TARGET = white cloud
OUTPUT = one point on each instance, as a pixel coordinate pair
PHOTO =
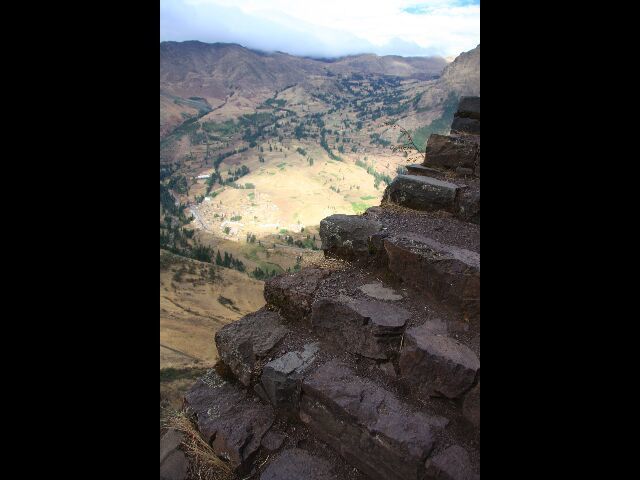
(330, 27)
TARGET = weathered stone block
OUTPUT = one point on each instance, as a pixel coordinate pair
(450, 151)
(173, 462)
(282, 378)
(369, 328)
(297, 464)
(469, 206)
(228, 418)
(450, 274)
(436, 364)
(367, 424)
(347, 235)
(419, 169)
(450, 464)
(465, 125)
(471, 406)
(468, 107)
(422, 193)
(243, 343)
(293, 294)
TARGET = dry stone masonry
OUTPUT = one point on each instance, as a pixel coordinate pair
(368, 367)
(449, 178)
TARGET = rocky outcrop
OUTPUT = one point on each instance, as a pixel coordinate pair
(228, 418)
(367, 424)
(369, 328)
(437, 364)
(244, 343)
(347, 235)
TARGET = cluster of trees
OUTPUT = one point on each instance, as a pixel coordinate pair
(178, 183)
(265, 274)
(229, 262)
(377, 139)
(325, 145)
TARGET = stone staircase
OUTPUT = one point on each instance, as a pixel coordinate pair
(366, 366)
(449, 178)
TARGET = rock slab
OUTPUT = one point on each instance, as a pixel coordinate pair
(369, 328)
(347, 235)
(228, 418)
(450, 274)
(293, 294)
(173, 462)
(297, 464)
(243, 343)
(422, 193)
(282, 378)
(471, 406)
(436, 364)
(450, 464)
(367, 425)
(450, 152)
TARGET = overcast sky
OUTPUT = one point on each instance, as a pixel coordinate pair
(328, 28)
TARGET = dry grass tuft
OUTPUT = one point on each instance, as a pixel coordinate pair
(204, 463)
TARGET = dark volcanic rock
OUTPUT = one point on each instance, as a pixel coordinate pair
(469, 206)
(436, 364)
(282, 378)
(367, 425)
(228, 418)
(173, 462)
(471, 406)
(293, 294)
(272, 441)
(297, 464)
(243, 343)
(367, 327)
(422, 193)
(450, 274)
(468, 107)
(465, 125)
(450, 464)
(451, 151)
(418, 169)
(347, 235)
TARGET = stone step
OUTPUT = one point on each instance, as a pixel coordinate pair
(293, 294)
(229, 418)
(422, 193)
(452, 151)
(468, 107)
(347, 236)
(244, 344)
(281, 379)
(435, 364)
(367, 424)
(419, 169)
(450, 274)
(370, 328)
(298, 464)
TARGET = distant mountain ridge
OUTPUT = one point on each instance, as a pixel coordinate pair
(228, 66)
